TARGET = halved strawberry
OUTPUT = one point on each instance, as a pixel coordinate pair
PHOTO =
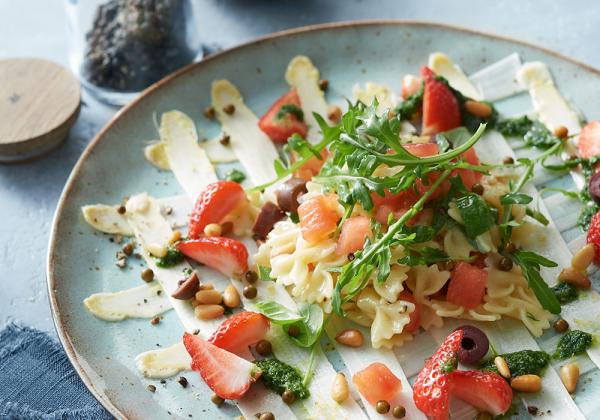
(486, 391)
(284, 118)
(441, 111)
(215, 202)
(228, 375)
(224, 254)
(593, 235)
(589, 140)
(240, 331)
(431, 390)
(467, 285)
(377, 382)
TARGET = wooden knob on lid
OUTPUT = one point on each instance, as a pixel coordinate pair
(39, 102)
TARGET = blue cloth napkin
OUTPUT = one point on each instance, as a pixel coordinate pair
(38, 382)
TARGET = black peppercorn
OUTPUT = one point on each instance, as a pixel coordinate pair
(505, 264)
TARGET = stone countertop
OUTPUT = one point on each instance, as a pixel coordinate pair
(37, 28)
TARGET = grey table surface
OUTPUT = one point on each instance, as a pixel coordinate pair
(29, 192)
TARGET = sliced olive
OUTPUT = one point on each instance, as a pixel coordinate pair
(287, 195)
(188, 288)
(594, 187)
(473, 346)
(268, 216)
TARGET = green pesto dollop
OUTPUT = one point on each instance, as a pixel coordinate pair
(572, 343)
(409, 107)
(280, 376)
(235, 175)
(533, 133)
(524, 362)
(565, 292)
(173, 257)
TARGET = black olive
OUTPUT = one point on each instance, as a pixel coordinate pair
(594, 187)
(473, 346)
(287, 194)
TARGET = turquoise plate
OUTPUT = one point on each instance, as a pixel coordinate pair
(81, 261)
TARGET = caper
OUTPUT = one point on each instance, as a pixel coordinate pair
(209, 112)
(229, 109)
(288, 397)
(121, 209)
(293, 331)
(477, 189)
(382, 406)
(266, 416)
(560, 325)
(399, 412)
(225, 139)
(324, 84)
(508, 160)
(264, 348)
(250, 291)
(128, 249)
(147, 275)
(509, 248)
(216, 400)
(251, 276)
(505, 264)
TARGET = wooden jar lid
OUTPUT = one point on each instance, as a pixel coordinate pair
(39, 102)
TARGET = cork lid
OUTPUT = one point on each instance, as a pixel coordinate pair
(39, 102)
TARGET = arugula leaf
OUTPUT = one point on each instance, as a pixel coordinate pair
(264, 273)
(475, 213)
(290, 109)
(423, 256)
(457, 136)
(537, 216)
(235, 175)
(308, 319)
(530, 263)
(515, 198)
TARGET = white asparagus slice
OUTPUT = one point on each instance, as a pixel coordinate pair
(508, 335)
(156, 153)
(145, 301)
(358, 359)
(106, 219)
(165, 362)
(151, 228)
(443, 66)
(189, 163)
(302, 74)
(499, 79)
(253, 148)
(552, 109)
(385, 97)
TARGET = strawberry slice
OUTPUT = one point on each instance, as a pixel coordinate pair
(589, 140)
(240, 331)
(284, 118)
(441, 111)
(228, 375)
(226, 255)
(486, 391)
(214, 204)
(593, 235)
(431, 390)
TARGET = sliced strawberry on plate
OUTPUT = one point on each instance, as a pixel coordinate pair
(486, 391)
(589, 140)
(284, 118)
(467, 285)
(441, 111)
(223, 254)
(431, 390)
(228, 375)
(240, 331)
(593, 235)
(377, 382)
(354, 233)
(214, 204)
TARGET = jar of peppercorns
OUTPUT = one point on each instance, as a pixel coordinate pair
(120, 47)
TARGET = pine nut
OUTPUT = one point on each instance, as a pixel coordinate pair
(175, 237)
(334, 113)
(526, 383)
(561, 132)
(209, 297)
(569, 375)
(157, 250)
(339, 389)
(206, 286)
(350, 338)
(479, 109)
(583, 258)
(502, 366)
(574, 277)
(231, 297)
(213, 229)
(208, 311)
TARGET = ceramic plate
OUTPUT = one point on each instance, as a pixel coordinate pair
(82, 261)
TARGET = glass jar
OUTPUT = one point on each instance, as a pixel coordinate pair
(120, 47)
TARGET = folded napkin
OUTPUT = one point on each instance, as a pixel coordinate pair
(38, 382)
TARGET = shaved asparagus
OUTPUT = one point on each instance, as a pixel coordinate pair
(106, 219)
(145, 301)
(165, 362)
(156, 153)
(499, 79)
(443, 66)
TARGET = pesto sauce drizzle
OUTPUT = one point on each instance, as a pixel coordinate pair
(522, 362)
(572, 343)
(280, 376)
(173, 257)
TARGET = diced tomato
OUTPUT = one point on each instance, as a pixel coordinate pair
(441, 111)
(377, 382)
(467, 285)
(411, 85)
(422, 149)
(415, 316)
(426, 150)
(318, 217)
(280, 126)
(311, 167)
(355, 231)
(467, 176)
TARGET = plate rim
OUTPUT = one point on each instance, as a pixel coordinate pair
(62, 333)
